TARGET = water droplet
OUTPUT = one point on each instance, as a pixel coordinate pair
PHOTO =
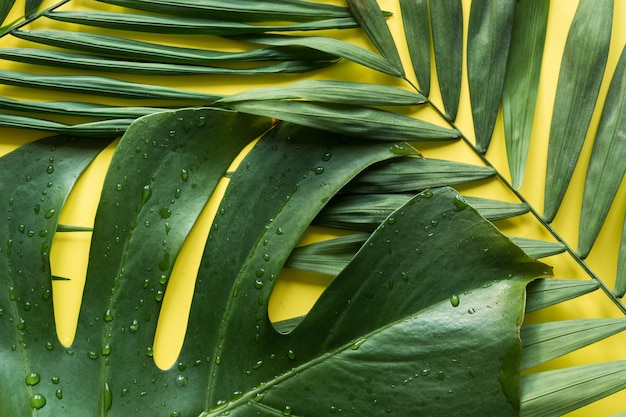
(454, 300)
(181, 381)
(279, 231)
(92, 355)
(258, 397)
(158, 295)
(259, 272)
(171, 133)
(332, 409)
(471, 310)
(37, 401)
(49, 213)
(59, 393)
(236, 395)
(108, 396)
(124, 392)
(27, 306)
(21, 228)
(165, 212)
(426, 194)
(50, 169)
(266, 257)
(258, 284)
(12, 293)
(424, 372)
(108, 316)
(318, 170)
(164, 265)
(177, 193)
(357, 344)
(287, 410)
(33, 378)
(134, 326)
(184, 175)
(218, 360)
(106, 350)
(326, 157)
(21, 324)
(441, 376)
(175, 414)
(391, 220)
(401, 149)
(404, 276)
(291, 354)
(28, 178)
(43, 233)
(55, 380)
(119, 187)
(145, 195)
(257, 364)
(459, 203)
(49, 346)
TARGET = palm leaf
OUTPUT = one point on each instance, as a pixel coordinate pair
(416, 22)
(582, 68)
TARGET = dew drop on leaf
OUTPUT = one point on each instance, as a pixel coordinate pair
(55, 380)
(287, 410)
(181, 381)
(291, 354)
(33, 379)
(454, 300)
(59, 393)
(134, 326)
(184, 175)
(49, 213)
(37, 401)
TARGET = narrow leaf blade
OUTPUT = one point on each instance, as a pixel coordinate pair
(416, 23)
(546, 292)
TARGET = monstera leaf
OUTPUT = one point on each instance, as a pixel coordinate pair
(423, 309)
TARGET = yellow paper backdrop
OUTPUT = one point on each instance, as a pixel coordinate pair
(296, 292)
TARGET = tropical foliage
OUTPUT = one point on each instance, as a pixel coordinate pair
(425, 295)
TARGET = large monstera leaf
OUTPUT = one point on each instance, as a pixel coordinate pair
(400, 320)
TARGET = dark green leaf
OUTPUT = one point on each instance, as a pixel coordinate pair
(87, 84)
(77, 109)
(327, 257)
(580, 76)
(137, 50)
(289, 178)
(620, 275)
(328, 91)
(546, 292)
(446, 18)
(489, 36)
(538, 248)
(31, 7)
(163, 172)
(607, 164)
(331, 46)
(372, 20)
(105, 128)
(521, 82)
(495, 209)
(363, 122)
(89, 62)
(416, 23)
(546, 341)
(5, 9)
(187, 25)
(410, 174)
(240, 10)
(42, 175)
(554, 393)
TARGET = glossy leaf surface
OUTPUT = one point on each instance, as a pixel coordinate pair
(416, 22)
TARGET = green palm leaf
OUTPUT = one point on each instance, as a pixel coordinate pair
(416, 22)
(582, 68)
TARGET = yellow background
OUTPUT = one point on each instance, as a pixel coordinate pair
(296, 292)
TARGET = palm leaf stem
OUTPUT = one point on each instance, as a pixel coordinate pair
(31, 18)
(569, 249)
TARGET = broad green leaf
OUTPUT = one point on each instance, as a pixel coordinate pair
(365, 212)
(352, 120)
(289, 177)
(554, 393)
(335, 350)
(410, 174)
(31, 7)
(602, 182)
(446, 17)
(329, 91)
(5, 9)
(489, 37)
(521, 82)
(580, 76)
(330, 46)
(77, 109)
(539, 248)
(620, 275)
(373, 22)
(327, 257)
(36, 181)
(106, 128)
(137, 50)
(416, 23)
(546, 292)
(546, 341)
(188, 25)
(88, 84)
(241, 10)
(89, 62)
(163, 172)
